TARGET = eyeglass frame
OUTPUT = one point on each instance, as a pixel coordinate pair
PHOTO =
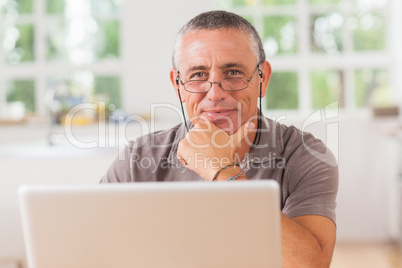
(218, 82)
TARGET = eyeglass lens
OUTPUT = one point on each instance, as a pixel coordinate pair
(230, 84)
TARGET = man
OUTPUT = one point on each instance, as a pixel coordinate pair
(220, 73)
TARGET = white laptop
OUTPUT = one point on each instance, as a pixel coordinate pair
(152, 225)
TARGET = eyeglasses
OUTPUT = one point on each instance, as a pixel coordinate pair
(228, 84)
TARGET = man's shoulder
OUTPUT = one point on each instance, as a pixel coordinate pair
(285, 134)
(291, 139)
(292, 134)
(299, 144)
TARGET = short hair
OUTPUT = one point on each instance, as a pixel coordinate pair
(218, 19)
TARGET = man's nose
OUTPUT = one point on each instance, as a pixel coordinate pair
(216, 92)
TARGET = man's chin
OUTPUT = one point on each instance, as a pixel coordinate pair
(228, 128)
(225, 121)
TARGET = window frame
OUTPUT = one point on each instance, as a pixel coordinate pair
(304, 61)
(41, 69)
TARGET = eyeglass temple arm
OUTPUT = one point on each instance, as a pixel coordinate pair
(181, 103)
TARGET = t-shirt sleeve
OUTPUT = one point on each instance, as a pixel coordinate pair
(119, 171)
(312, 181)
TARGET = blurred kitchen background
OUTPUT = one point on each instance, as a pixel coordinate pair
(79, 78)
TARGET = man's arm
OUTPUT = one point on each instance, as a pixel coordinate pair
(307, 241)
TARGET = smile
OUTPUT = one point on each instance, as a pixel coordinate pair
(213, 115)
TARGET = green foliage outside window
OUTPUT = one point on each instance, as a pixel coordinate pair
(22, 90)
(282, 91)
(249, 19)
(26, 41)
(23, 6)
(280, 35)
(372, 88)
(107, 88)
(243, 2)
(327, 87)
(23, 50)
(104, 6)
(101, 44)
(55, 6)
(110, 39)
(326, 34)
(56, 40)
(370, 32)
(278, 2)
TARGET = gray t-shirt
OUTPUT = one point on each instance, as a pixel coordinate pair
(304, 167)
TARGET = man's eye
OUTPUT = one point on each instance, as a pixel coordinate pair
(234, 73)
(198, 76)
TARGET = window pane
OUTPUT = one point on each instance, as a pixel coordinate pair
(107, 39)
(19, 43)
(327, 87)
(56, 40)
(104, 6)
(96, 7)
(24, 91)
(107, 88)
(63, 93)
(83, 41)
(55, 6)
(369, 31)
(23, 6)
(326, 33)
(372, 88)
(244, 2)
(282, 91)
(15, 7)
(278, 2)
(324, 1)
(371, 4)
(280, 35)
(83, 87)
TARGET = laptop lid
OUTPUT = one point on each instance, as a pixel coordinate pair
(155, 225)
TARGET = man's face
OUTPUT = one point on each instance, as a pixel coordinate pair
(214, 55)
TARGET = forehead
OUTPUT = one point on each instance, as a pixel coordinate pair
(216, 48)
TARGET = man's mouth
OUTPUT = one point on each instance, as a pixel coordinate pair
(214, 115)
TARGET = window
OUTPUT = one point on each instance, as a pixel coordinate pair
(45, 43)
(22, 91)
(322, 51)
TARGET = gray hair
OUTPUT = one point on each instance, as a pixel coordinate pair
(213, 20)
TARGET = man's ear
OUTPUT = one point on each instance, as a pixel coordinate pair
(174, 79)
(266, 75)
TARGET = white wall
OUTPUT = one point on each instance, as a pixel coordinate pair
(368, 169)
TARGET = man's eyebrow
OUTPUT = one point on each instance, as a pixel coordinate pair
(223, 67)
(197, 68)
(233, 64)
